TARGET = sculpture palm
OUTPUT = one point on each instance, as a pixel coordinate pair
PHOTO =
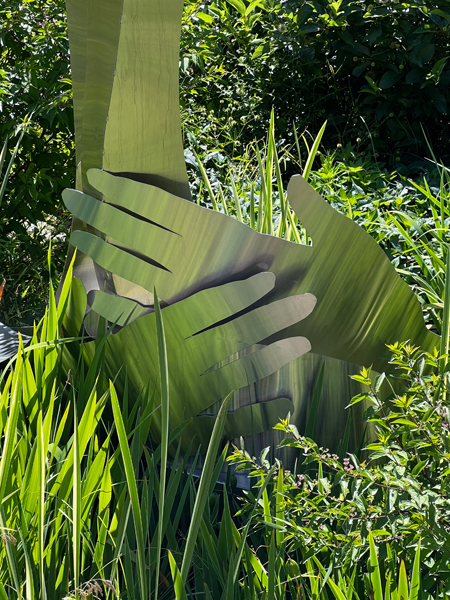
(212, 348)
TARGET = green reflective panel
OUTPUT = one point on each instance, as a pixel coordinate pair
(297, 383)
(180, 247)
(124, 57)
(94, 29)
(143, 132)
(124, 60)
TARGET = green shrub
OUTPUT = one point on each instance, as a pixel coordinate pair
(35, 88)
(377, 71)
(398, 489)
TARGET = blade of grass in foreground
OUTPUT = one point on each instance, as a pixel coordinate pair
(402, 591)
(180, 594)
(76, 508)
(415, 579)
(10, 435)
(132, 488)
(202, 494)
(445, 333)
(375, 567)
(164, 373)
(313, 152)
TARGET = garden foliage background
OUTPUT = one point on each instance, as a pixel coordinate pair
(338, 526)
(376, 71)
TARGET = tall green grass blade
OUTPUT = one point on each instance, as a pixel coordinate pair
(237, 202)
(76, 506)
(10, 558)
(118, 527)
(313, 152)
(297, 144)
(445, 333)
(279, 507)
(402, 590)
(337, 592)
(164, 374)
(29, 584)
(242, 539)
(252, 207)
(283, 224)
(65, 291)
(180, 593)
(10, 166)
(3, 155)
(262, 194)
(202, 494)
(293, 226)
(132, 489)
(271, 149)
(314, 580)
(41, 461)
(272, 568)
(206, 181)
(11, 426)
(3, 594)
(415, 578)
(222, 199)
(375, 576)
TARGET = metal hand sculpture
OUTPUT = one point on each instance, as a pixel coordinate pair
(156, 239)
(124, 56)
(211, 350)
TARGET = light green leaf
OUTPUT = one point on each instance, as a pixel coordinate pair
(238, 5)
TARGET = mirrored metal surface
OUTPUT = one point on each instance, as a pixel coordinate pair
(124, 56)
(212, 347)
(9, 342)
(156, 239)
(124, 60)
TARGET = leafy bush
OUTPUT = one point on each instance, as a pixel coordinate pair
(398, 492)
(35, 88)
(376, 71)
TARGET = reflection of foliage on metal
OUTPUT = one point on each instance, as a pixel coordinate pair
(136, 230)
(213, 346)
(124, 58)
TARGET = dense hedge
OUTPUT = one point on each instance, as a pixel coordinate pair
(377, 71)
(35, 86)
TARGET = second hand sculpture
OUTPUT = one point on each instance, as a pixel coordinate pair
(136, 229)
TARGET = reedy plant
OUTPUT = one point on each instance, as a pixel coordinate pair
(260, 199)
(49, 504)
(86, 508)
(422, 233)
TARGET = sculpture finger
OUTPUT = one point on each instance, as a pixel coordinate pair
(119, 261)
(213, 305)
(315, 214)
(219, 380)
(148, 201)
(130, 230)
(218, 343)
(116, 309)
(364, 304)
(248, 420)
